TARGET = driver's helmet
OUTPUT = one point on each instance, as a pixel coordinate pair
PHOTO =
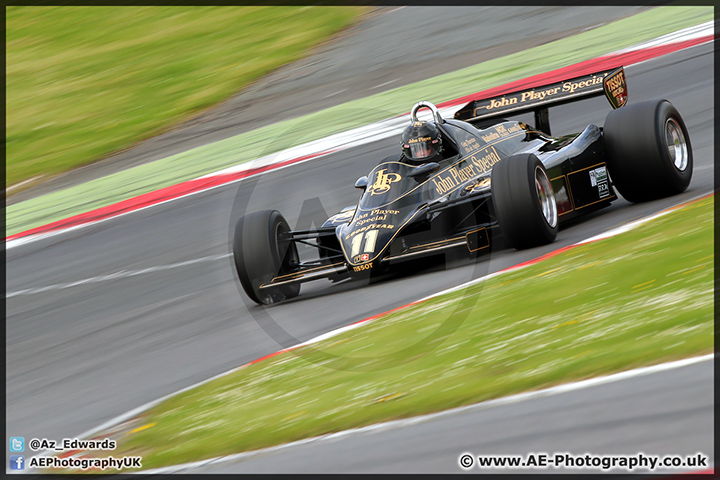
(421, 141)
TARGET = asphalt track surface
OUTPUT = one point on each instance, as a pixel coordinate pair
(80, 355)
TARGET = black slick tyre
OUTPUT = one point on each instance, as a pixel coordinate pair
(648, 150)
(262, 251)
(524, 201)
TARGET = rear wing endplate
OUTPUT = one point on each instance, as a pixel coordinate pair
(610, 82)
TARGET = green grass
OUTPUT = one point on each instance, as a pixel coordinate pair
(251, 145)
(640, 298)
(83, 82)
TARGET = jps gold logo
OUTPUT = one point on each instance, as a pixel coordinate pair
(383, 182)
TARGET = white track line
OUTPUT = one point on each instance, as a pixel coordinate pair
(17, 242)
(116, 275)
(690, 33)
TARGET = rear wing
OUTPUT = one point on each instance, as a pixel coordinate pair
(610, 82)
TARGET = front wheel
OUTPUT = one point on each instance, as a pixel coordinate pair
(648, 150)
(524, 201)
(262, 250)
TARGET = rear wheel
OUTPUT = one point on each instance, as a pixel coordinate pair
(648, 150)
(524, 201)
(262, 250)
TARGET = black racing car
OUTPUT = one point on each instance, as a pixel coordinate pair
(491, 174)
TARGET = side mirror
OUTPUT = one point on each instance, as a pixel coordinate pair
(424, 169)
(361, 183)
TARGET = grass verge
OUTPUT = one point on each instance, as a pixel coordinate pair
(636, 299)
(264, 141)
(83, 82)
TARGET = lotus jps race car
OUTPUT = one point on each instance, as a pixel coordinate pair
(461, 182)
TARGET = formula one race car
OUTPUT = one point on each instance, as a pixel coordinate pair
(489, 174)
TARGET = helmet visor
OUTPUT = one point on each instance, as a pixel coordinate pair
(421, 149)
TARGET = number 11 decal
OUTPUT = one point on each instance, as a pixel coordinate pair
(370, 239)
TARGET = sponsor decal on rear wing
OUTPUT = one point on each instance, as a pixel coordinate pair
(610, 82)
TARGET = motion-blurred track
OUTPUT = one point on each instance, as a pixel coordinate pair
(79, 355)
